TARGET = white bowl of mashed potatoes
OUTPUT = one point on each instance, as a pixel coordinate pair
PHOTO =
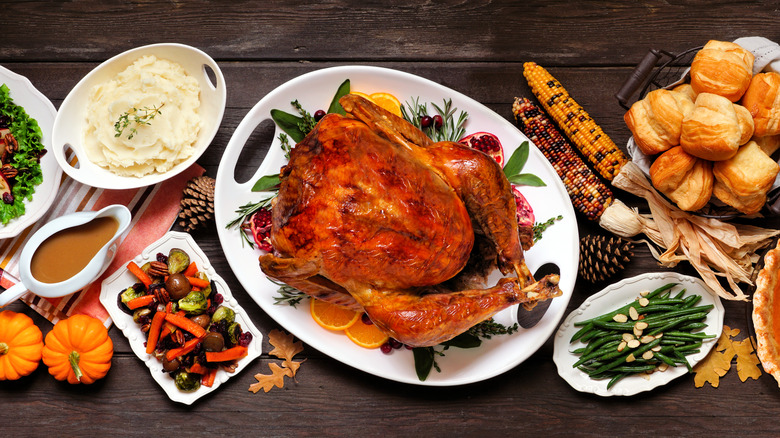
(140, 117)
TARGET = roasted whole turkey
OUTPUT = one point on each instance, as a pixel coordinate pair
(373, 215)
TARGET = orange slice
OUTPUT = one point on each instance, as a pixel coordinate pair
(366, 335)
(331, 316)
(388, 102)
(362, 95)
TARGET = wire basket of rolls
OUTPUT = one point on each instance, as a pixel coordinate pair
(705, 128)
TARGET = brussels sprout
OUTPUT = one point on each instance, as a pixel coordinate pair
(131, 292)
(178, 261)
(203, 276)
(234, 332)
(194, 303)
(223, 314)
(140, 314)
(187, 381)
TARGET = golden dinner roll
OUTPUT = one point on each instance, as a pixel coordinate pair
(768, 143)
(712, 131)
(745, 121)
(687, 90)
(722, 68)
(762, 100)
(656, 120)
(744, 180)
(683, 178)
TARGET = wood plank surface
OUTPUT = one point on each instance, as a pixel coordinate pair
(475, 47)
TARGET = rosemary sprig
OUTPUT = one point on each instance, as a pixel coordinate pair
(452, 129)
(136, 116)
(288, 295)
(244, 213)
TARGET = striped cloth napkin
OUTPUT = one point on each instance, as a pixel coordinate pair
(154, 209)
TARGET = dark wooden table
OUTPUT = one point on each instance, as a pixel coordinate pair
(475, 47)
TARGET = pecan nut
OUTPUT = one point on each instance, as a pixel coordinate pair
(157, 269)
(9, 171)
(177, 338)
(161, 295)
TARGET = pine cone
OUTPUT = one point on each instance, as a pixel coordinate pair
(197, 205)
(602, 257)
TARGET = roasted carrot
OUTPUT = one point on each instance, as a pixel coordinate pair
(139, 273)
(198, 282)
(141, 301)
(188, 346)
(198, 369)
(154, 332)
(191, 270)
(234, 353)
(209, 377)
(187, 324)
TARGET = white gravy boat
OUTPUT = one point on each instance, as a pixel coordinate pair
(88, 274)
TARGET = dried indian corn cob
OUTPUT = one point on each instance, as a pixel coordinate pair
(600, 150)
(588, 194)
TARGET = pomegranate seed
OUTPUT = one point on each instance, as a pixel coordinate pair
(426, 121)
(366, 320)
(319, 114)
(438, 121)
(386, 348)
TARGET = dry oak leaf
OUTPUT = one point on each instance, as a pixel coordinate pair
(711, 369)
(284, 345)
(747, 361)
(267, 381)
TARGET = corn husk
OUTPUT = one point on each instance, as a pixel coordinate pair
(716, 249)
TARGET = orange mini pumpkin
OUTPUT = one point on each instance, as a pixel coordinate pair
(78, 350)
(21, 342)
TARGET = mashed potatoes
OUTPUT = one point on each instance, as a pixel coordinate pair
(160, 143)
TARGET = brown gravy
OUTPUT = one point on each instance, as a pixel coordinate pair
(65, 253)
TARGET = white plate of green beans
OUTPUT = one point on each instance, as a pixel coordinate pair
(638, 334)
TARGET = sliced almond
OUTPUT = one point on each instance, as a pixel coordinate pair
(630, 358)
(637, 332)
(621, 346)
(663, 367)
(633, 313)
(657, 348)
(647, 355)
(644, 301)
(646, 339)
(620, 318)
(627, 337)
(641, 325)
(659, 335)
(633, 343)
(644, 293)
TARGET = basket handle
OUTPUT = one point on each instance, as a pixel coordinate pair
(638, 76)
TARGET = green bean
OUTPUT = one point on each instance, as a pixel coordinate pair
(608, 316)
(605, 351)
(637, 352)
(615, 379)
(581, 332)
(666, 359)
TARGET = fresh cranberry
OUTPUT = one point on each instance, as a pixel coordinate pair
(438, 121)
(395, 344)
(426, 121)
(386, 348)
(319, 114)
(366, 320)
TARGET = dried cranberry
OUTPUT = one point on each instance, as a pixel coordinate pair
(8, 198)
(426, 121)
(162, 258)
(386, 348)
(245, 339)
(217, 298)
(318, 115)
(438, 121)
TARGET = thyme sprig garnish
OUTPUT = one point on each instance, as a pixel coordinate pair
(451, 129)
(540, 227)
(244, 213)
(136, 116)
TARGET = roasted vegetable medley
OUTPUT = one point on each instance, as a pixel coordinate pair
(187, 327)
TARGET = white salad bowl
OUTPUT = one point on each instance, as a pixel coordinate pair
(71, 119)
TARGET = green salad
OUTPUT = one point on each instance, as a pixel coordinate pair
(20, 155)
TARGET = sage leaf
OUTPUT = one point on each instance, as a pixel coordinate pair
(423, 361)
(526, 179)
(517, 161)
(335, 106)
(464, 340)
(266, 183)
(289, 124)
